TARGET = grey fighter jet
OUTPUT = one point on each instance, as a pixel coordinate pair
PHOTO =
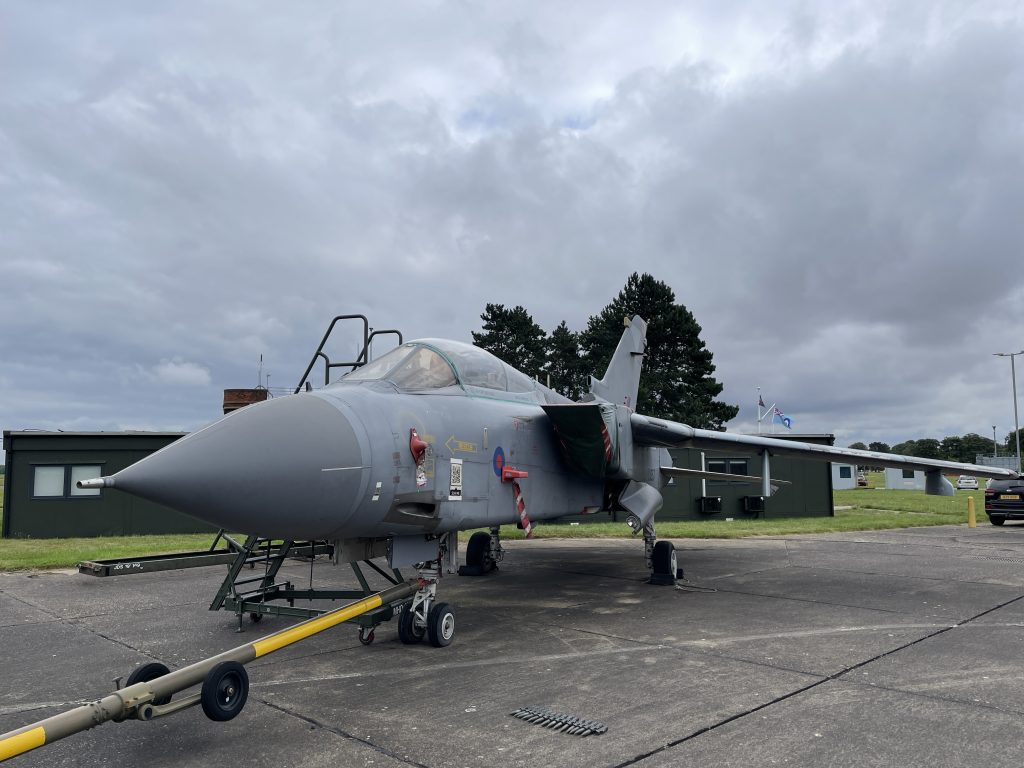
(439, 436)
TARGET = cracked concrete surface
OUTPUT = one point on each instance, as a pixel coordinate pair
(881, 648)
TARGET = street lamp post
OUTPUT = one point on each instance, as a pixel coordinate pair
(1013, 377)
(995, 445)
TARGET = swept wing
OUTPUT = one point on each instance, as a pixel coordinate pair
(648, 430)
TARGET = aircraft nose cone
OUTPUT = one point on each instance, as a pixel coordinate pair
(290, 468)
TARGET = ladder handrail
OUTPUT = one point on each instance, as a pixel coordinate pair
(361, 359)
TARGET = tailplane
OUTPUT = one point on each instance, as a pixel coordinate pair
(621, 381)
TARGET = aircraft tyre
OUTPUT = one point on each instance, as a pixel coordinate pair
(441, 625)
(996, 519)
(478, 551)
(225, 690)
(664, 569)
(149, 671)
(408, 632)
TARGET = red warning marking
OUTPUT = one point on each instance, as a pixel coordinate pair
(607, 443)
(521, 509)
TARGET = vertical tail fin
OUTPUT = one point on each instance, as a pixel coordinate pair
(621, 381)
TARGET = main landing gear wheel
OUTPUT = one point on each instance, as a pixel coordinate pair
(664, 567)
(225, 690)
(441, 625)
(149, 671)
(478, 555)
(478, 551)
(408, 632)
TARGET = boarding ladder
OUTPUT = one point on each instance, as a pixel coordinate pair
(261, 588)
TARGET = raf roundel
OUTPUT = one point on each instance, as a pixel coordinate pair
(499, 460)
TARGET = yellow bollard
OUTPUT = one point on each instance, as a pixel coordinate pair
(972, 521)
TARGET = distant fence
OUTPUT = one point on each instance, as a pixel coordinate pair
(1003, 462)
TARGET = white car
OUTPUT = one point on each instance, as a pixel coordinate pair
(967, 483)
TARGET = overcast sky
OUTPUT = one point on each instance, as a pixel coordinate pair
(835, 190)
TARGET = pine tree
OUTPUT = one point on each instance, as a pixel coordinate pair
(511, 335)
(677, 381)
(564, 365)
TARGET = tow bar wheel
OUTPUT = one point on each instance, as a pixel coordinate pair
(149, 671)
(225, 690)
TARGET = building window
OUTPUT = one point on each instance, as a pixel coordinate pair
(726, 466)
(49, 482)
(846, 473)
(84, 472)
(908, 474)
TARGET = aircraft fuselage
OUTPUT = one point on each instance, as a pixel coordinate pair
(459, 482)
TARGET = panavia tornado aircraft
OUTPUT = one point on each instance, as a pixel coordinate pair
(440, 436)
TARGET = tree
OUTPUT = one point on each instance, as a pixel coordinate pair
(879, 447)
(952, 448)
(973, 444)
(906, 448)
(511, 335)
(564, 365)
(858, 446)
(677, 381)
(927, 448)
(1009, 448)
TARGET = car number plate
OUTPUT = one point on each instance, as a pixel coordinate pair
(1010, 497)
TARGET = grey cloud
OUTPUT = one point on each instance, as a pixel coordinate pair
(833, 190)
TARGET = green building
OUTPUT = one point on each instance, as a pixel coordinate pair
(42, 501)
(807, 491)
(807, 494)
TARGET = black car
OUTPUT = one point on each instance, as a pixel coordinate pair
(1004, 500)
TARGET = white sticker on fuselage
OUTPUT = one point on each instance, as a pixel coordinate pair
(455, 485)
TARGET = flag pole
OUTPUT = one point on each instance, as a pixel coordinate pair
(759, 410)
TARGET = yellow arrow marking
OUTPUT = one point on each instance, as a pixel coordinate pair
(454, 445)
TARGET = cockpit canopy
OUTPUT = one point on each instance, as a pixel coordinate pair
(428, 364)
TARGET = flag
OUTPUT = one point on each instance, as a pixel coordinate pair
(780, 418)
(760, 402)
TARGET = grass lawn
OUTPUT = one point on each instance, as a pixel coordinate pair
(859, 509)
(17, 554)
(66, 553)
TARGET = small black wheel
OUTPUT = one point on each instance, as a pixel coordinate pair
(225, 690)
(441, 625)
(365, 637)
(663, 559)
(149, 671)
(478, 551)
(996, 519)
(408, 632)
(255, 617)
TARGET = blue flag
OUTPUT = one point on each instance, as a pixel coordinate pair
(780, 418)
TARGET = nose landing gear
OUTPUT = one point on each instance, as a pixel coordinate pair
(424, 617)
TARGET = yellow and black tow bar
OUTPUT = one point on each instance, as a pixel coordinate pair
(146, 700)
